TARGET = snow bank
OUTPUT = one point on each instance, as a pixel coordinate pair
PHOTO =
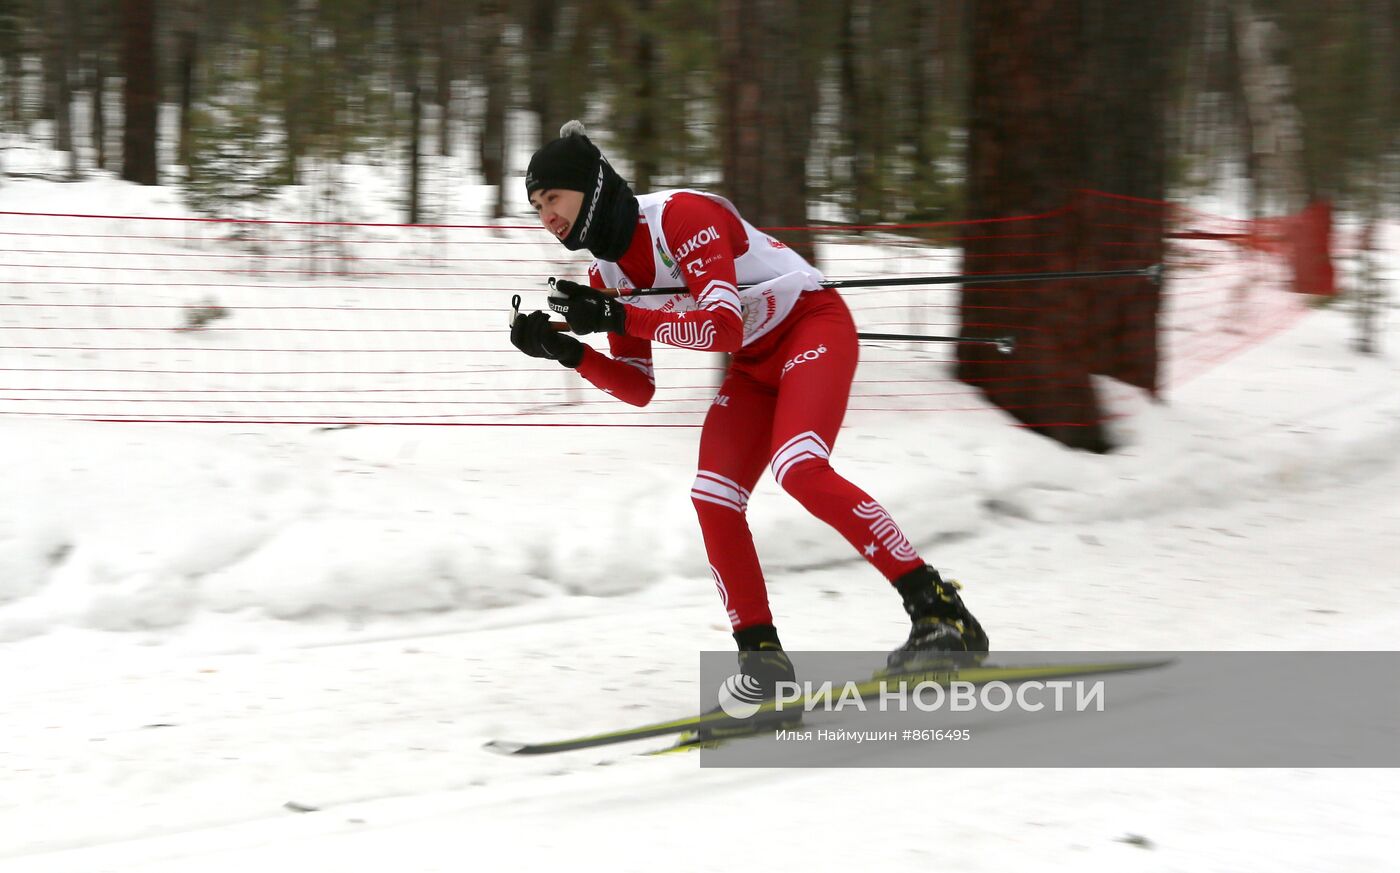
(124, 527)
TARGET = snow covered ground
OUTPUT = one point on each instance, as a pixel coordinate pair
(205, 629)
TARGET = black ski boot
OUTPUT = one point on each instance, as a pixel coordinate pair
(944, 633)
(762, 664)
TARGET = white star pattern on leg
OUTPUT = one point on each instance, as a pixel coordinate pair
(870, 550)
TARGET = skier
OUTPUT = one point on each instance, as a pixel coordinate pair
(794, 353)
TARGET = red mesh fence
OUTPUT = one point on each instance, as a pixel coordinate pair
(121, 318)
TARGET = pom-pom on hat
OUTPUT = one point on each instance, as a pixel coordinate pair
(569, 162)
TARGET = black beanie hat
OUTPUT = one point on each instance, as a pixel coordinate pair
(570, 162)
(608, 213)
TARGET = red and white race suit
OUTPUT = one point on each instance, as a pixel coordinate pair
(783, 398)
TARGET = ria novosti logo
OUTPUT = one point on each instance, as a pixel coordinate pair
(741, 696)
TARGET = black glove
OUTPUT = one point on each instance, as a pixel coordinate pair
(587, 310)
(533, 336)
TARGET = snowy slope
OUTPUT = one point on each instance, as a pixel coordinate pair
(202, 624)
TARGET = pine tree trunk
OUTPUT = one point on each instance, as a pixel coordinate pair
(1131, 52)
(99, 111)
(187, 41)
(96, 22)
(296, 126)
(541, 24)
(72, 47)
(409, 14)
(448, 35)
(492, 139)
(142, 91)
(1382, 83)
(57, 70)
(920, 106)
(1027, 94)
(644, 76)
(765, 115)
(13, 80)
(1063, 97)
(415, 144)
(856, 98)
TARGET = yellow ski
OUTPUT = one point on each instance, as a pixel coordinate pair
(978, 675)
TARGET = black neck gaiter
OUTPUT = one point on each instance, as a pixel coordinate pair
(606, 219)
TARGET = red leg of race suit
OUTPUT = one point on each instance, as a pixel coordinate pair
(783, 402)
(733, 453)
(818, 361)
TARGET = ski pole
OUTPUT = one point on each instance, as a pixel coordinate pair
(1153, 272)
(1004, 344)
